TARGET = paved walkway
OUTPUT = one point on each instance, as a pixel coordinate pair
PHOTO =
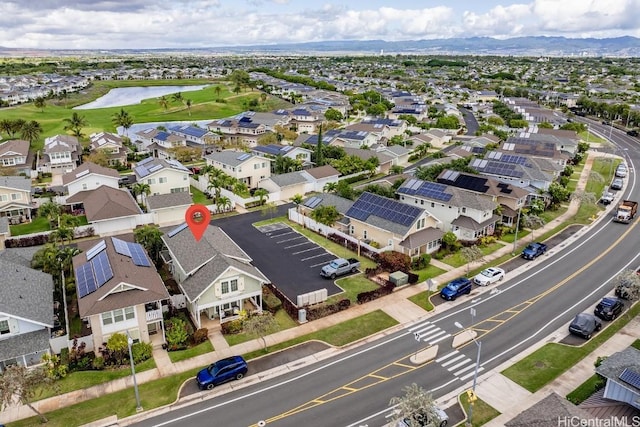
(395, 305)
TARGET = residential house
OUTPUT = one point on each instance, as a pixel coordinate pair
(119, 290)
(15, 198)
(144, 138)
(390, 127)
(169, 209)
(303, 120)
(89, 176)
(484, 96)
(351, 139)
(312, 139)
(510, 197)
(465, 213)
(399, 154)
(108, 210)
(321, 176)
(215, 275)
(163, 176)
(566, 140)
(14, 154)
(622, 372)
(111, 145)
(269, 120)
(26, 314)
(241, 131)
(286, 186)
(163, 142)
(193, 135)
(409, 105)
(526, 175)
(535, 148)
(551, 411)
(5, 231)
(61, 154)
(303, 155)
(245, 167)
(385, 161)
(379, 131)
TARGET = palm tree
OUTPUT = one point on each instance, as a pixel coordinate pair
(163, 101)
(40, 103)
(187, 102)
(219, 180)
(51, 211)
(330, 187)
(31, 131)
(62, 235)
(261, 194)
(122, 118)
(297, 200)
(139, 189)
(75, 124)
(177, 97)
(6, 126)
(239, 187)
(150, 238)
(217, 90)
(223, 203)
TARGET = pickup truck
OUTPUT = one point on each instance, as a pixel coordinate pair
(340, 266)
(534, 250)
(626, 211)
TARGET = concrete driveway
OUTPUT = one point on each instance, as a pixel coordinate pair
(288, 259)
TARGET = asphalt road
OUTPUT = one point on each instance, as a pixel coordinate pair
(470, 121)
(354, 388)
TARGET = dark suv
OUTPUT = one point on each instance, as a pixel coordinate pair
(584, 325)
(231, 368)
(609, 308)
(455, 288)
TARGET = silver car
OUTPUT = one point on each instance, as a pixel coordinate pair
(442, 421)
(621, 170)
(616, 184)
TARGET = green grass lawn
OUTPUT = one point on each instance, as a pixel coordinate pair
(552, 360)
(428, 273)
(591, 137)
(586, 389)
(352, 286)
(282, 319)
(422, 300)
(199, 197)
(510, 237)
(37, 225)
(482, 412)
(202, 348)
(457, 260)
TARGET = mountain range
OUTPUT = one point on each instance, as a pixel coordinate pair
(520, 46)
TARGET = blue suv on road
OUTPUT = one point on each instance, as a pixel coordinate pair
(455, 288)
(231, 368)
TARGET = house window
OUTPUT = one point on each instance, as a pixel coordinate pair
(234, 285)
(4, 327)
(364, 234)
(162, 180)
(224, 287)
(185, 177)
(151, 181)
(107, 319)
(4, 197)
(16, 196)
(464, 210)
(256, 166)
(118, 315)
(129, 313)
(264, 164)
(352, 229)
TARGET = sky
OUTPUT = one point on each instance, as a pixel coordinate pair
(146, 24)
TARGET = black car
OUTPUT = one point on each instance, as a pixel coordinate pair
(584, 325)
(632, 132)
(609, 308)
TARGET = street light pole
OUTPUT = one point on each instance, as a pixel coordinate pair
(475, 374)
(133, 373)
(515, 238)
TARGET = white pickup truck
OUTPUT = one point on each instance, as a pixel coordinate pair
(340, 266)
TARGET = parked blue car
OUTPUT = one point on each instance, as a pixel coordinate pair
(455, 288)
(231, 368)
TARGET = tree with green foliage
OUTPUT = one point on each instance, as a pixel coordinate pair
(558, 193)
(261, 194)
(545, 125)
(177, 97)
(333, 115)
(447, 122)
(31, 131)
(260, 325)
(471, 254)
(75, 124)
(150, 237)
(297, 200)
(319, 158)
(176, 333)
(188, 102)
(122, 118)
(51, 211)
(449, 239)
(164, 102)
(118, 348)
(417, 406)
(21, 384)
(40, 102)
(326, 215)
(142, 190)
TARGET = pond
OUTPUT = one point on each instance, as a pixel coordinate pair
(134, 95)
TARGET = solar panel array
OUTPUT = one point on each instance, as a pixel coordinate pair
(85, 282)
(313, 202)
(371, 204)
(450, 175)
(101, 268)
(176, 230)
(135, 251)
(498, 168)
(507, 158)
(473, 183)
(244, 156)
(155, 168)
(432, 190)
(94, 250)
(630, 377)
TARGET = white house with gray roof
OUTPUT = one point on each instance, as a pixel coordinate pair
(245, 167)
(169, 209)
(26, 314)
(15, 198)
(61, 154)
(467, 214)
(163, 176)
(214, 273)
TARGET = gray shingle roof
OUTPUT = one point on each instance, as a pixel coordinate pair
(330, 199)
(92, 168)
(323, 172)
(613, 365)
(29, 343)
(229, 157)
(169, 200)
(106, 203)
(15, 145)
(288, 179)
(26, 293)
(18, 182)
(205, 260)
(4, 225)
(547, 412)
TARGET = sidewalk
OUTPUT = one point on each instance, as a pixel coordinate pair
(395, 305)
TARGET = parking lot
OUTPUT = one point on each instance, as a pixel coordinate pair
(290, 260)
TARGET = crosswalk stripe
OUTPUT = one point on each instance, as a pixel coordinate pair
(433, 334)
(470, 374)
(457, 365)
(419, 325)
(444, 337)
(446, 356)
(465, 369)
(455, 359)
(428, 328)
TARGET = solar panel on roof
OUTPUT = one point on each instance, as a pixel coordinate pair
(138, 255)
(176, 230)
(244, 156)
(85, 282)
(369, 204)
(142, 171)
(144, 161)
(101, 269)
(95, 250)
(630, 377)
(313, 202)
(155, 168)
(120, 246)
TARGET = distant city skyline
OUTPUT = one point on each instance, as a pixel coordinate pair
(146, 24)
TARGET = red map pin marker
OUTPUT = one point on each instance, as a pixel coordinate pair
(197, 217)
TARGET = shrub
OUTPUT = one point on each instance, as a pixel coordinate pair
(200, 336)
(320, 311)
(176, 334)
(23, 242)
(231, 327)
(141, 351)
(270, 302)
(376, 293)
(394, 261)
(486, 240)
(98, 363)
(421, 262)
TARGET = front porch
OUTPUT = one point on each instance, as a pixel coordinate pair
(226, 311)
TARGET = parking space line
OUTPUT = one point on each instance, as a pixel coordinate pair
(299, 244)
(311, 257)
(318, 265)
(288, 240)
(306, 250)
(283, 234)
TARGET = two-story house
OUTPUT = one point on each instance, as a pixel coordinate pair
(352, 139)
(26, 314)
(238, 131)
(111, 145)
(214, 273)
(61, 153)
(304, 120)
(526, 175)
(390, 127)
(119, 290)
(300, 154)
(13, 154)
(245, 167)
(162, 142)
(89, 176)
(162, 176)
(15, 198)
(465, 213)
(193, 135)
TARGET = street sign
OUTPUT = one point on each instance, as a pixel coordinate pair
(417, 335)
(431, 284)
(471, 396)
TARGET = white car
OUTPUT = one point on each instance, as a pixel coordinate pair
(489, 276)
(621, 170)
